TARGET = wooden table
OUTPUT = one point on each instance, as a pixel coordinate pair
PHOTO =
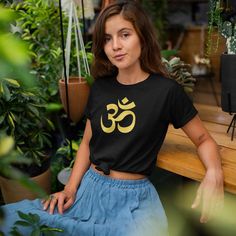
(178, 154)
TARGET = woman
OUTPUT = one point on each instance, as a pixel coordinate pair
(130, 107)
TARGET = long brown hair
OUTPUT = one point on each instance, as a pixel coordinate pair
(150, 59)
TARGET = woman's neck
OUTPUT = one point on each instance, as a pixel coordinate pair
(125, 77)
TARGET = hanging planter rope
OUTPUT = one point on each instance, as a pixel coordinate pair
(74, 90)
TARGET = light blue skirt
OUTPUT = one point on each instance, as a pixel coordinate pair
(103, 207)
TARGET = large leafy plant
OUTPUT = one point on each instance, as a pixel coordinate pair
(23, 117)
(9, 156)
(38, 25)
(13, 63)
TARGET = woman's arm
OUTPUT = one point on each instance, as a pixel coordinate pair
(82, 161)
(211, 190)
(66, 198)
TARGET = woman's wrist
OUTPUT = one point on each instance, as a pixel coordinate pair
(216, 173)
(69, 188)
(216, 170)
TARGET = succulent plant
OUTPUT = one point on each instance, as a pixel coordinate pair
(180, 71)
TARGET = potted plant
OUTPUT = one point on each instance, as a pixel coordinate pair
(9, 157)
(14, 64)
(23, 118)
(74, 85)
(222, 17)
(180, 71)
(37, 25)
(68, 158)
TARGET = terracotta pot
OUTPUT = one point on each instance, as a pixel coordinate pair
(78, 92)
(12, 191)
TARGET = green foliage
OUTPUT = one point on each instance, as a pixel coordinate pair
(9, 156)
(168, 54)
(65, 149)
(39, 26)
(228, 30)
(23, 117)
(73, 61)
(6, 17)
(221, 19)
(179, 71)
(6, 2)
(157, 10)
(13, 64)
(14, 60)
(33, 221)
(64, 158)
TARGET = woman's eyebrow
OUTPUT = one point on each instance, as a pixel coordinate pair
(120, 30)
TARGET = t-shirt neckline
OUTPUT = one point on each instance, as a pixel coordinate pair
(132, 85)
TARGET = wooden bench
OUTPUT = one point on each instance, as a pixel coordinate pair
(178, 154)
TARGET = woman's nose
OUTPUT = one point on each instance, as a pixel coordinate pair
(116, 44)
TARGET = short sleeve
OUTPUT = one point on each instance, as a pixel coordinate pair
(182, 109)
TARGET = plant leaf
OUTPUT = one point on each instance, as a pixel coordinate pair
(35, 232)
(24, 216)
(22, 223)
(6, 92)
(6, 145)
(11, 122)
(13, 82)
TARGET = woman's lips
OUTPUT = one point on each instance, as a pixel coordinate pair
(119, 57)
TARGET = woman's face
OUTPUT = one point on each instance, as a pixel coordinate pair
(122, 45)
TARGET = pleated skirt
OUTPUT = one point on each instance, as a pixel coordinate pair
(103, 207)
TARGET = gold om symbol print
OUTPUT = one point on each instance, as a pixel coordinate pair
(112, 112)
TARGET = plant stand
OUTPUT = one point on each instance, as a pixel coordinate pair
(232, 124)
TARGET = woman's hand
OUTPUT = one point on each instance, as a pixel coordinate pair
(210, 194)
(63, 200)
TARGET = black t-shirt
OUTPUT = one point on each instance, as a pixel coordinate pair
(129, 122)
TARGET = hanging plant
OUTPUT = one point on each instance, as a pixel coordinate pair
(74, 90)
(222, 17)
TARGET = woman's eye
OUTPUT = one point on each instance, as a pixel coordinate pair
(125, 35)
(106, 39)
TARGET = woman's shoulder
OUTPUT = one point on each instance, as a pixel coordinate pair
(101, 81)
(166, 82)
(102, 84)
